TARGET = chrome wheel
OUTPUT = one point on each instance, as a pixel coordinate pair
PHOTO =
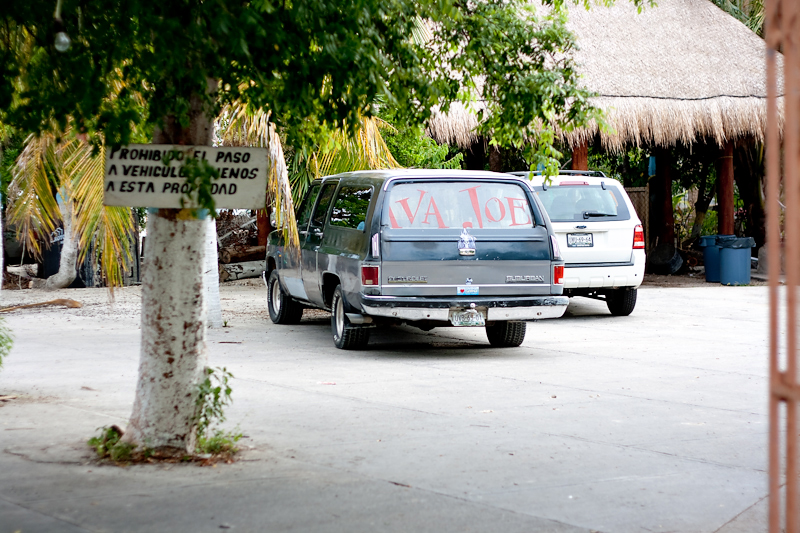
(339, 315)
(282, 308)
(275, 296)
(345, 335)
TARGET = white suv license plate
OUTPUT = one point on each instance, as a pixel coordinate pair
(579, 240)
(467, 318)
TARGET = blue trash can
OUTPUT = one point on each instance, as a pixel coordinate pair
(734, 260)
(710, 257)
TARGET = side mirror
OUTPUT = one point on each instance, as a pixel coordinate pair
(272, 221)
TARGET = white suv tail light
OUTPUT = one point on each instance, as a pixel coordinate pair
(638, 238)
(556, 248)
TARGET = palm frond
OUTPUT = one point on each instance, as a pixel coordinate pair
(108, 229)
(420, 32)
(243, 126)
(281, 190)
(32, 206)
(239, 125)
(366, 150)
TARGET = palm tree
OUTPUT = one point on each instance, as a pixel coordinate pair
(240, 126)
(68, 166)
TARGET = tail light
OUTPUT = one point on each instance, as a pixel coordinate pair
(370, 275)
(558, 275)
(638, 238)
(556, 247)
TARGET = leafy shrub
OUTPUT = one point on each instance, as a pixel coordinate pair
(6, 340)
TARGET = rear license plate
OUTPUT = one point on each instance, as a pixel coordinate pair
(579, 240)
(467, 318)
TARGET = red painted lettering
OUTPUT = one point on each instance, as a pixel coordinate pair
(404, 204)
(392, 220)
(433, 210)
(473, 197)
(513, 205)
(500, 206)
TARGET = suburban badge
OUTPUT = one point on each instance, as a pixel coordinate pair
(408, 279)
(524, 279)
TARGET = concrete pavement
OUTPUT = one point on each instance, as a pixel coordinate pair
(653, 422)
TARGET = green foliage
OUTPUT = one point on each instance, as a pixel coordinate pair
(214, 394)
(219, 443)
(683, 213)
(199, 177)
(316, 65)
(108, 446)
(710, 224)
(695, 166)
(748, 12)
(10, 148)
(6, 340)
(630, 167)
(413, 149)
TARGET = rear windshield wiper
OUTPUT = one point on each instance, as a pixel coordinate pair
(587, 214)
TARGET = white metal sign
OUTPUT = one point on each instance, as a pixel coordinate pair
(136, 176)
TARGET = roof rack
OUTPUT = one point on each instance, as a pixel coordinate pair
(595, 173)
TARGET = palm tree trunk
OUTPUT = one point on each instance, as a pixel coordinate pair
(68, 262)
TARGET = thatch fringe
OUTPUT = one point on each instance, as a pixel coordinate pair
(677, 73)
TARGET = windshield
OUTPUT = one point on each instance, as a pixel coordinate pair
(457, 205)
(582, 202)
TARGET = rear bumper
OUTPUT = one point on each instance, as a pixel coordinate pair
(438, 309)
(605, 275)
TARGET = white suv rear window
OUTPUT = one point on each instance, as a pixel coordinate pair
(457, 205)
(569, 203)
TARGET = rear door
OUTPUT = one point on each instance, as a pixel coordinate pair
(289, 262)
(310, 246)
(592, 222)
(424, 221)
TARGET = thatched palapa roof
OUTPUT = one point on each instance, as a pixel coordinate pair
(678, 72)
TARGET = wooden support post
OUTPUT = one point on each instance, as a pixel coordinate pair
(664, 229)
(262, 222)
(725, 190)
(580, 156)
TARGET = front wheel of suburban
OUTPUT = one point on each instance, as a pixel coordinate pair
(345, 336)
(282, 308)
(621, 301)
(506, 334)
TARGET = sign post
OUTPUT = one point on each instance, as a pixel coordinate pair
(137, 176)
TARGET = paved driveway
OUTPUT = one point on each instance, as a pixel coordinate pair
(653, 422)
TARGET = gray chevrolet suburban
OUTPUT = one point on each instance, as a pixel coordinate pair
(428, 248)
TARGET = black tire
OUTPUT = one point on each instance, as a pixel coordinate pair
(506, 334)
(345, 336)
(621, 301)
(282, 308)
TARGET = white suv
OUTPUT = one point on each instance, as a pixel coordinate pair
(600, 236)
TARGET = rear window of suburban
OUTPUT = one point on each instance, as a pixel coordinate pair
(442, 205)
(573, 203)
